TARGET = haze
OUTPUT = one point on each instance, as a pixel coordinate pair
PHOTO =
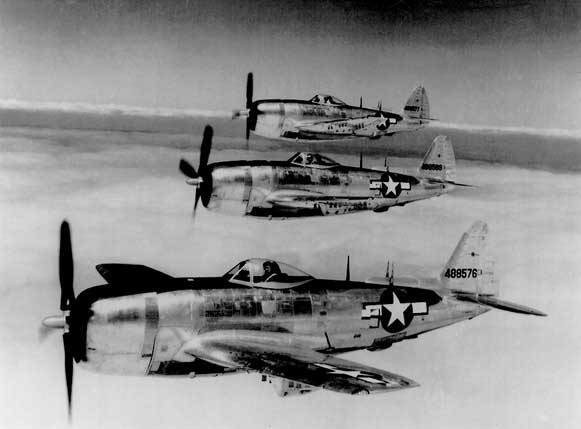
(500, 66)
(127, 202)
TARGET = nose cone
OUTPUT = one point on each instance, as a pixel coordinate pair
(54, 322)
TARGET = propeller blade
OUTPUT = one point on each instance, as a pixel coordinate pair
(188, 170)
(251, 118)
(66, 268)
(249, 90)
(360, 159)
(205, 149)
(196, 200)
(348, 272)
(68, 347)
(361, 102)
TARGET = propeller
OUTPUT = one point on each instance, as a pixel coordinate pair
(67, 300)
(361, 102)
(66, 268)
(251, 111)
(251, 118)
(348, 271)
(249, 89)
(201, 179)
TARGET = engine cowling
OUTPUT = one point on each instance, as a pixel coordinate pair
(120, 333)
(235, 189)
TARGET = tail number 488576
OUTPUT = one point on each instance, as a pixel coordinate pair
(462, 273)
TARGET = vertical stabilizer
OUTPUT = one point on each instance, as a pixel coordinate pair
(417, 107)
(470, 270)
(439, 162)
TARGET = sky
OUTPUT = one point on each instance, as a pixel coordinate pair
(482, 64)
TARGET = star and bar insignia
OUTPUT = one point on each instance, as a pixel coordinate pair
(389, 188)
(393, 314)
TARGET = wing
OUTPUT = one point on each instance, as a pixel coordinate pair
(289, 197)
(305, 199)
(369, 126)
(272, 354)
(298, 197)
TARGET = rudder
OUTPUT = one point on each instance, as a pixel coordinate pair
(417, 107)
(439, 161)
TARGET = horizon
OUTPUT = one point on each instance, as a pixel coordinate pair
(167, 112)
(515, 66)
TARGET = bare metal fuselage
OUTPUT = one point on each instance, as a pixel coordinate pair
(144, 333)
(270, 188)
(300, 119)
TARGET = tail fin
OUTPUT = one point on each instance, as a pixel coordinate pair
(417, 107)
(470, 270)
(439, 162)
(469, 274)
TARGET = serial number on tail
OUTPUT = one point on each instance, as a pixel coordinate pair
(438, 167)
(462, 273)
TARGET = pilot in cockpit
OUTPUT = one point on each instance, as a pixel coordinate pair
(271, 271)
(309, 158)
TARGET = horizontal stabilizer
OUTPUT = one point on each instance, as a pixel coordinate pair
(499, 304)
(450, 182)
(128, 274)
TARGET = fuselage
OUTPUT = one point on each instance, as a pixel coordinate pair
(308, 120)
(137, 330)
(282, 188)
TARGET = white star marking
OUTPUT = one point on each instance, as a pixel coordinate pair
(396, 309)
(354, 374)
(390, 186)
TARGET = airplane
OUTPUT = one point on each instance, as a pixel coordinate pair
(310, 184)
(325, 117)
(267, 317)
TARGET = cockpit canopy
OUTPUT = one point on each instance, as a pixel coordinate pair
(312, 160)
(267, 274)
(327, 99)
